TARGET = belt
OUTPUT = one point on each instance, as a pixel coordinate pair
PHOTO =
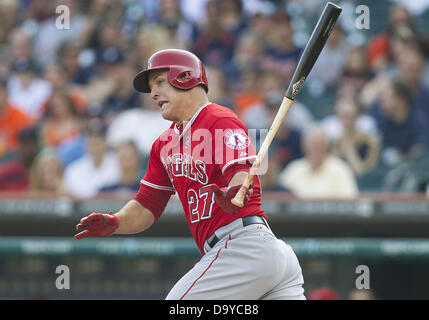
(247, 221)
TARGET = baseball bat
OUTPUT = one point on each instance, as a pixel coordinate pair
(306, 62)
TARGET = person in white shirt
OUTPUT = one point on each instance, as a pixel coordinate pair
(27, 91)
(141, 125)
(319, 174)
(96, 169)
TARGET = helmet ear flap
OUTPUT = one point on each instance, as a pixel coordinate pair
(182, 79)
(184, 76)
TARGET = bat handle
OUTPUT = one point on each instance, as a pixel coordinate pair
(238, 200)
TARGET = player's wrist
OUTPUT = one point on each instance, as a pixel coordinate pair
(114, 221)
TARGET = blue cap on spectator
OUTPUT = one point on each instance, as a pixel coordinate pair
(23, 65)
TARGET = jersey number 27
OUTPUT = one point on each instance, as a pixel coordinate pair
(205, 199)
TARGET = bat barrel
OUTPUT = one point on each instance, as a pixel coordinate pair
(313, 48)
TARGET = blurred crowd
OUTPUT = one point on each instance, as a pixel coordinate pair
(72, 124)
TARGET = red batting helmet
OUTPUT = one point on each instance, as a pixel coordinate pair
(185, 70)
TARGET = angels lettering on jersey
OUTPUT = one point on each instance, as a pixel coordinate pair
(187, 156)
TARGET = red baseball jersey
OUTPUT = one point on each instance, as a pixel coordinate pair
(205, 150)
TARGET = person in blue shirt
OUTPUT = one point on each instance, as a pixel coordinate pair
(131, 168)
(400, 127)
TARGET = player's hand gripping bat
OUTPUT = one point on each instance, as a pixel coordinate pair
(309, 56)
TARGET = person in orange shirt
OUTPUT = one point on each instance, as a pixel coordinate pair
(12, 121)
(60, 120)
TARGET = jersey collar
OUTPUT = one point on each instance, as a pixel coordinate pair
(185, 126)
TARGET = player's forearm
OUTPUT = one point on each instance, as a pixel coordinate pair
(133, 218)
(238, 178)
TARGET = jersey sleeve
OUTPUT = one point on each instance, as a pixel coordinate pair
(232, 146)
(156, 176)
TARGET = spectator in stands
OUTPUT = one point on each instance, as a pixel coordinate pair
(109, 41)
(131, 168)
(259, 19)
(149, 39)
(219, 89)
(401, 129)
(356, 72)
(59, 81)
(9, 14)
(281, 53)
(319, 174)
(60, 121)
(329, 67)
(97, 168)
(409, 67)
(106, 84)
(365, 123)
(232, 18)
(39, 11)
(73, 69)
(404, 37)
(47, 172)
(194, 10)
(248, 95)
(357, 147)
(141, 125)
(379, 48)
(180, 29)
(102, 15)
(213, 44)
(411, 72)
(72, 147)
(49, 38)
(247, 54)
(124, 97)
(12, 121)
(27, 91)
(20, 45)
(15, 173)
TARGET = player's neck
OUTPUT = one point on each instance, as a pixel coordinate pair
(190, 110)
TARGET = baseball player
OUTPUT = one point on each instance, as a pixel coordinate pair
(204, 157)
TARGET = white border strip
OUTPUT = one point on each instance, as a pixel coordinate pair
(156, 186)
(234, 161)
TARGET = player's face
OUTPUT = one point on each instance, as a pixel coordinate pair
(170, 100)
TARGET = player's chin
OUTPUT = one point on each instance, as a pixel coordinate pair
(167, 116)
